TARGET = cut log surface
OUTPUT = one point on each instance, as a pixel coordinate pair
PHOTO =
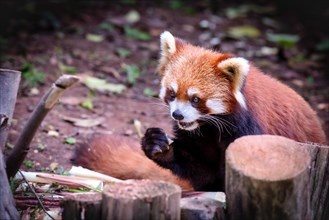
(267, 177)
(82, 206)
(141, 199)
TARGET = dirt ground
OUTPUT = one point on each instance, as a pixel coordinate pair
(53, 52)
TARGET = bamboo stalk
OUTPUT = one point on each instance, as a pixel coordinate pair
(46, 103)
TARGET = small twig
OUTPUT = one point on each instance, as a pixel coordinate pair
(35, 194)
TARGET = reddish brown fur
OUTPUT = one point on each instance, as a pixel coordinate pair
(280, 110)
(119, 157)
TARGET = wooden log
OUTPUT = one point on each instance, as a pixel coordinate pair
(82, 206)
(267, 177)
(201, 208)
(319, 180)
(141, 199)
(9, 82)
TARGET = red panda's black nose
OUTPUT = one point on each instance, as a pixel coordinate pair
(177, 115)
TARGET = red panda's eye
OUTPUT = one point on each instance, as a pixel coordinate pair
(195, 100)
(172, 95)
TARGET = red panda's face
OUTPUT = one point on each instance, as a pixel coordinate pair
(197, 83)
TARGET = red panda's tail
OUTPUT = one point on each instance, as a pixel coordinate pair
(121, 157)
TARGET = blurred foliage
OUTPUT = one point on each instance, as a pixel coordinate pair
(31, 75)
(283, 40)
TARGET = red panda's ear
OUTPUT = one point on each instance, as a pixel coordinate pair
(236, 69)
(168, 44)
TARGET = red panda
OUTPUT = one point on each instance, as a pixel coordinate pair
(214, 98)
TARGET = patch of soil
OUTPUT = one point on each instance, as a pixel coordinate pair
(47, 51)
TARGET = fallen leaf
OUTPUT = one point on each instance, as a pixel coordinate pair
(71, 100)
(41, 147)
(53, 133)
(132, 16)
(137, 34)
(70, 140)
(106, 26)
(123, 52)
(53, 165)
(243, 31)
(102, 85)
(88, 122)
(94, 38)
(283, 40)
(87, 104)
(149, 92)
(67, 69)
(323, 106)
(323, 45)
(132, 73)
(298, 82)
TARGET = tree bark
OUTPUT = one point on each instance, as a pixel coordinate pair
(46, 103)
(9, 82)
(82, 206)
(141, 199)
(319, 180)
(267, 177)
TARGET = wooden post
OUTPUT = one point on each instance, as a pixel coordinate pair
(9, 82)
(141, 199)
(319, 180)
(267, 177)
(82, 206)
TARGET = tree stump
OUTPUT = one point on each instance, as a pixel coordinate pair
(267, 177)
(141, 199)
(319, 180)
(9, 82)
(82, 206)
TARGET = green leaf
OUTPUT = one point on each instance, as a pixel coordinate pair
(149, 92)
(28, 163)
(133, 16)
(101, 85)
(323, 45)
(137, 34)
(94, 38)
(70, 140)
(176, 4)
(283, 40)
(88, 104)
(41, 147)
(68, 69)
(31, 75)
(123, 52)
(243, 31)
(9, 145)
(106, 26)
(132, 73)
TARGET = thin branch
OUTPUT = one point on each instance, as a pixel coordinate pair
(46, 103)
(35, 194)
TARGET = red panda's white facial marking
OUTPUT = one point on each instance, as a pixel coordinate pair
(216, 106)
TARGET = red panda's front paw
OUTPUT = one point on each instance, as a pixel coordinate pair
(155, 143)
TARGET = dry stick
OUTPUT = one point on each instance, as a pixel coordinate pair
(46, 103)
(9, 81)
(35, 194)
